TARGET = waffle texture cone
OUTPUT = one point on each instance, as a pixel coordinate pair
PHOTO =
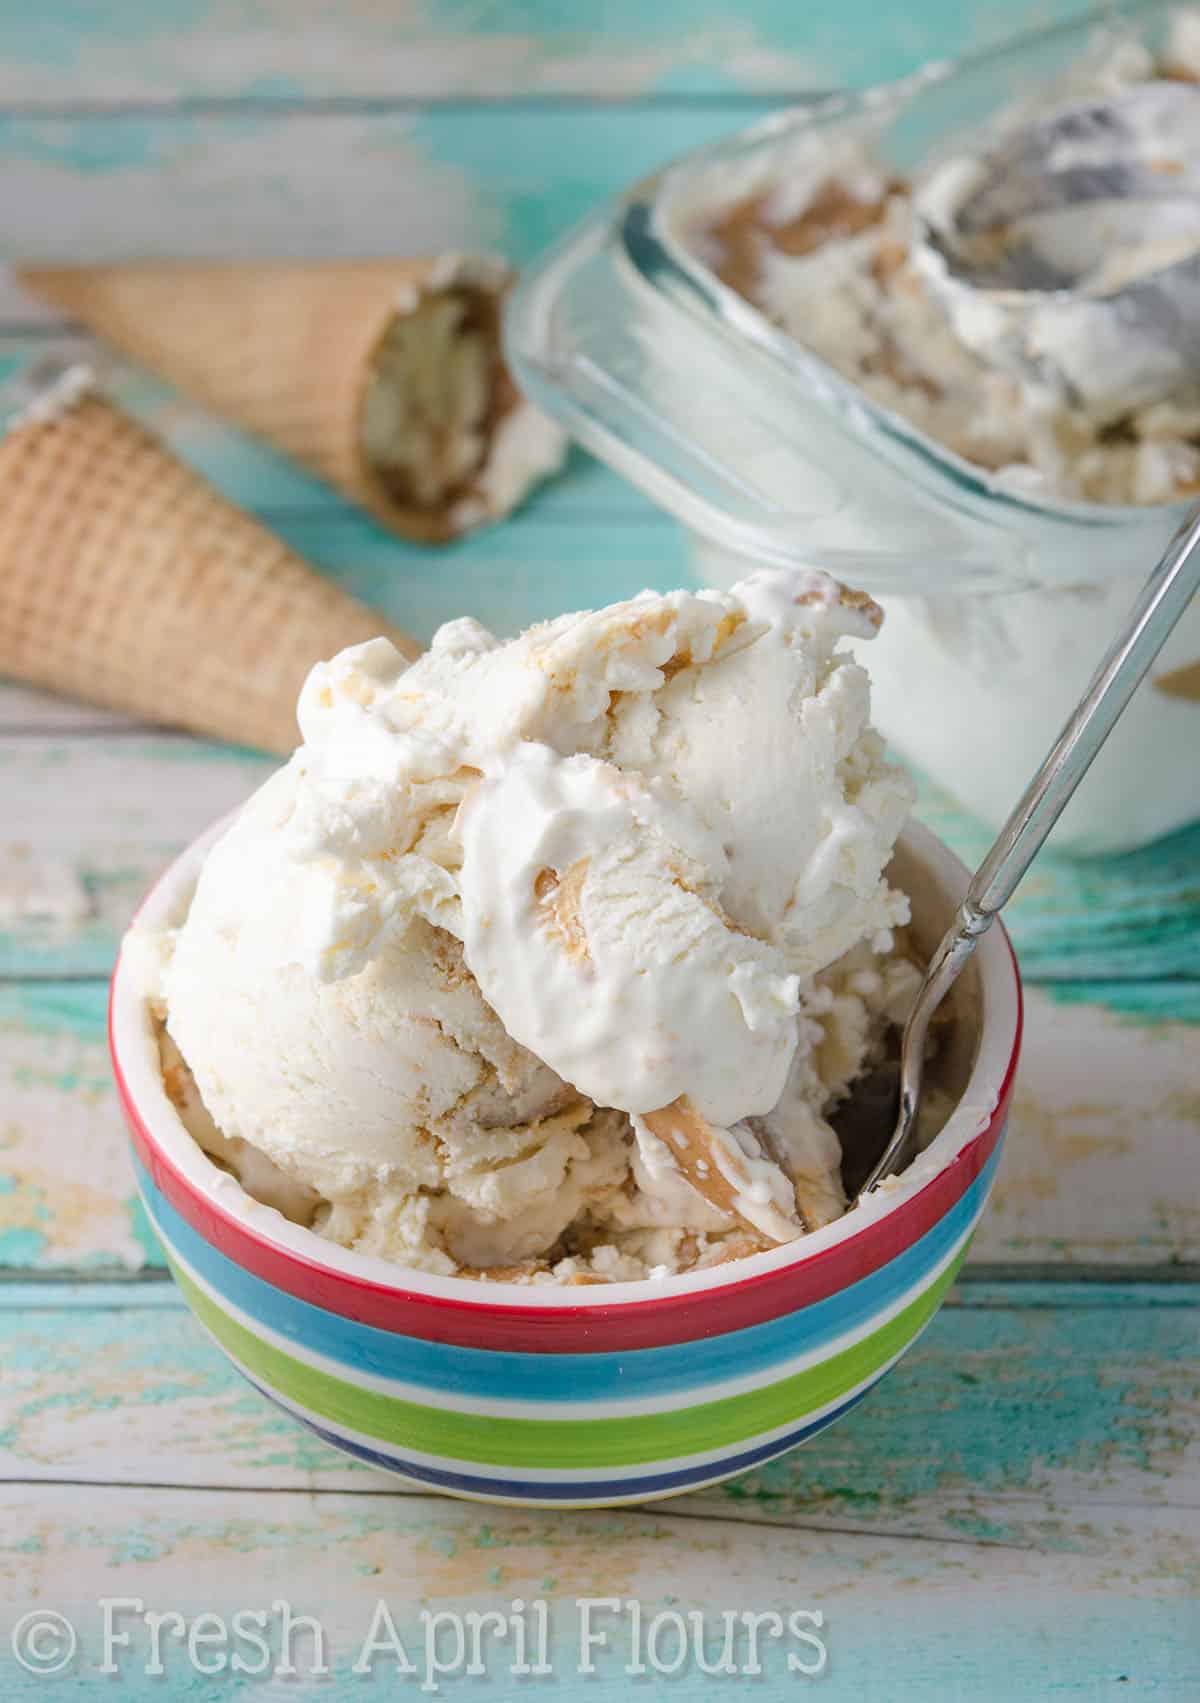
(282, 349)
(127, 580)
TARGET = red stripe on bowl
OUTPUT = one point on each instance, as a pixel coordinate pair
(566, 1329)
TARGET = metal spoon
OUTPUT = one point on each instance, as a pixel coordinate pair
(1070, 248)
(1163, 599)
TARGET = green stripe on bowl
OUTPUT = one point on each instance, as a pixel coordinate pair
(632, 1439)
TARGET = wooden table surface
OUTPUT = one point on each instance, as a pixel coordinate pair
(1016, 1512)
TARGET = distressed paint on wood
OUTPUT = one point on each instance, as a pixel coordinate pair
(225, 183)
(1051, 1404)
(67, 1197)
(88, 183)
(1099, 1170)
(277, 51)
(88, 824)
(1104, 1150)
(1132, 916)
(88, 821)
(903, 1616)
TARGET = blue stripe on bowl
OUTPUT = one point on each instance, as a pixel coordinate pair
(644, 1372)
(564, 1490)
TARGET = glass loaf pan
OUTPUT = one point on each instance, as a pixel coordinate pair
(998, 604)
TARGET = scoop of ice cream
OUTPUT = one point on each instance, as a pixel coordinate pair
(593, 923)
(509, 892)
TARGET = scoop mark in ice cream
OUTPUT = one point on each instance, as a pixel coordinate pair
(551, 956)
(817, 235)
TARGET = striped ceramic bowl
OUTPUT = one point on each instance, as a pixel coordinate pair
(576, 1396)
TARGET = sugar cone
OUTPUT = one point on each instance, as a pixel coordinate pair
(286, 351)
(126, 579)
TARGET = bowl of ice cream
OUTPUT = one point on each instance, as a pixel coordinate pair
(499, 1077)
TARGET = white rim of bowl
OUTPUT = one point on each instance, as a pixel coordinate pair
(135, 1050)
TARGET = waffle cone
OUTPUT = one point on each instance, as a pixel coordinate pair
(285, 350)
(126, 579)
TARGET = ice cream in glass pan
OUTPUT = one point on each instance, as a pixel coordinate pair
(761, 336)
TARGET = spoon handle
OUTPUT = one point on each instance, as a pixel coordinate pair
(1161, 602)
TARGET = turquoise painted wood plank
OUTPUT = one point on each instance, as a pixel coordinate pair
(1099, 1170)
(1104, 1142)
(585, 492)
(1136, 916)
(91, 187)
(899, 1619)
(67, 1195)
(1142, 1002)
(1023, 1412)
(506, 576)
(136, 50)
(90, 820)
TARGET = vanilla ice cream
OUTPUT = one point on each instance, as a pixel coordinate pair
(1005, 531)
(818, 234)
(553, 957)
